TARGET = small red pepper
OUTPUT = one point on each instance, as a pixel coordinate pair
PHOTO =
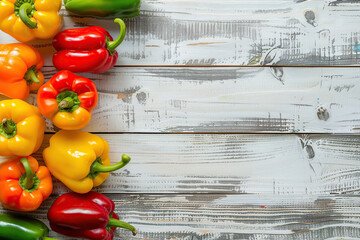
(67, 100)
(89, 216)
(89, 49)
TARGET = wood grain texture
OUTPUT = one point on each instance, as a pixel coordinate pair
(234, 217)
(230, 186)
(289, 100)
(233, 163)
(204, 32)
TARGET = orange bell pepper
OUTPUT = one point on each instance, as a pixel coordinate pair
(19, 70)
(24, 185)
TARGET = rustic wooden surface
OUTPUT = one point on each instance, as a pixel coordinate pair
(235, 32)
(221, 150)
(168, 99)
(233, 163)
(221, 216)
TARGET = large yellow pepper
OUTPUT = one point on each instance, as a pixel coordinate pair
(26, 20)
(21, 129)
(80, 160)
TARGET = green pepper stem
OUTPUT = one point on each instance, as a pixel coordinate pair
(29, 180)
(31, 76)
(67, 102)
(111, 45)
(8, 126)
(49, 238)
(24, 10)
(117, 223)
(98, 167)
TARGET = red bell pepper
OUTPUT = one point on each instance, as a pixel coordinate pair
(89, 49)
(89, 216)
(67, 100)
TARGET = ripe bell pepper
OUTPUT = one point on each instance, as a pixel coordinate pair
(24, 185)
(21, 129)
(19, 70)
(89, 216)
(104, 8)
(67, 100)
(89, 49)
(26, 20)
(80, 160)
(15, 228)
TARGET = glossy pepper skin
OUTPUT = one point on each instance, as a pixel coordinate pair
(16, 228)
(67, 100)
(104, 8)
(19, 70)
(80, 160)
(89, 216)
(24, 185)
(21, 129)
(89, 49)
(26, 20)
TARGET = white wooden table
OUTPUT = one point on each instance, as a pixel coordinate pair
(229, 110)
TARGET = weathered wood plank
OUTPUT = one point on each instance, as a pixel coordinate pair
(300, 100)
(204, 32)
(234, 163)
(221, 216)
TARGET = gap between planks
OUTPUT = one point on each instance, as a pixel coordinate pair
(221, 133)
(232, 66)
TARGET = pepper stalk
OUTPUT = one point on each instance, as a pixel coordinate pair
(97, 166)
(25, 9)
(28, 181)
(112, 45)
(8, 128)
(31, 75)
(117, 223)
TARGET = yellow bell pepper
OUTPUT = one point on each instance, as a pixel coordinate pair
(80, 160)
(22, 128)
(26, 20)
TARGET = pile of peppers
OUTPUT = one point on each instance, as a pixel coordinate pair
(78, 159)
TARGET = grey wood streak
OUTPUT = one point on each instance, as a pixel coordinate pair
(205, 32)
(234, 217)
(261, 99)
(233, 163)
